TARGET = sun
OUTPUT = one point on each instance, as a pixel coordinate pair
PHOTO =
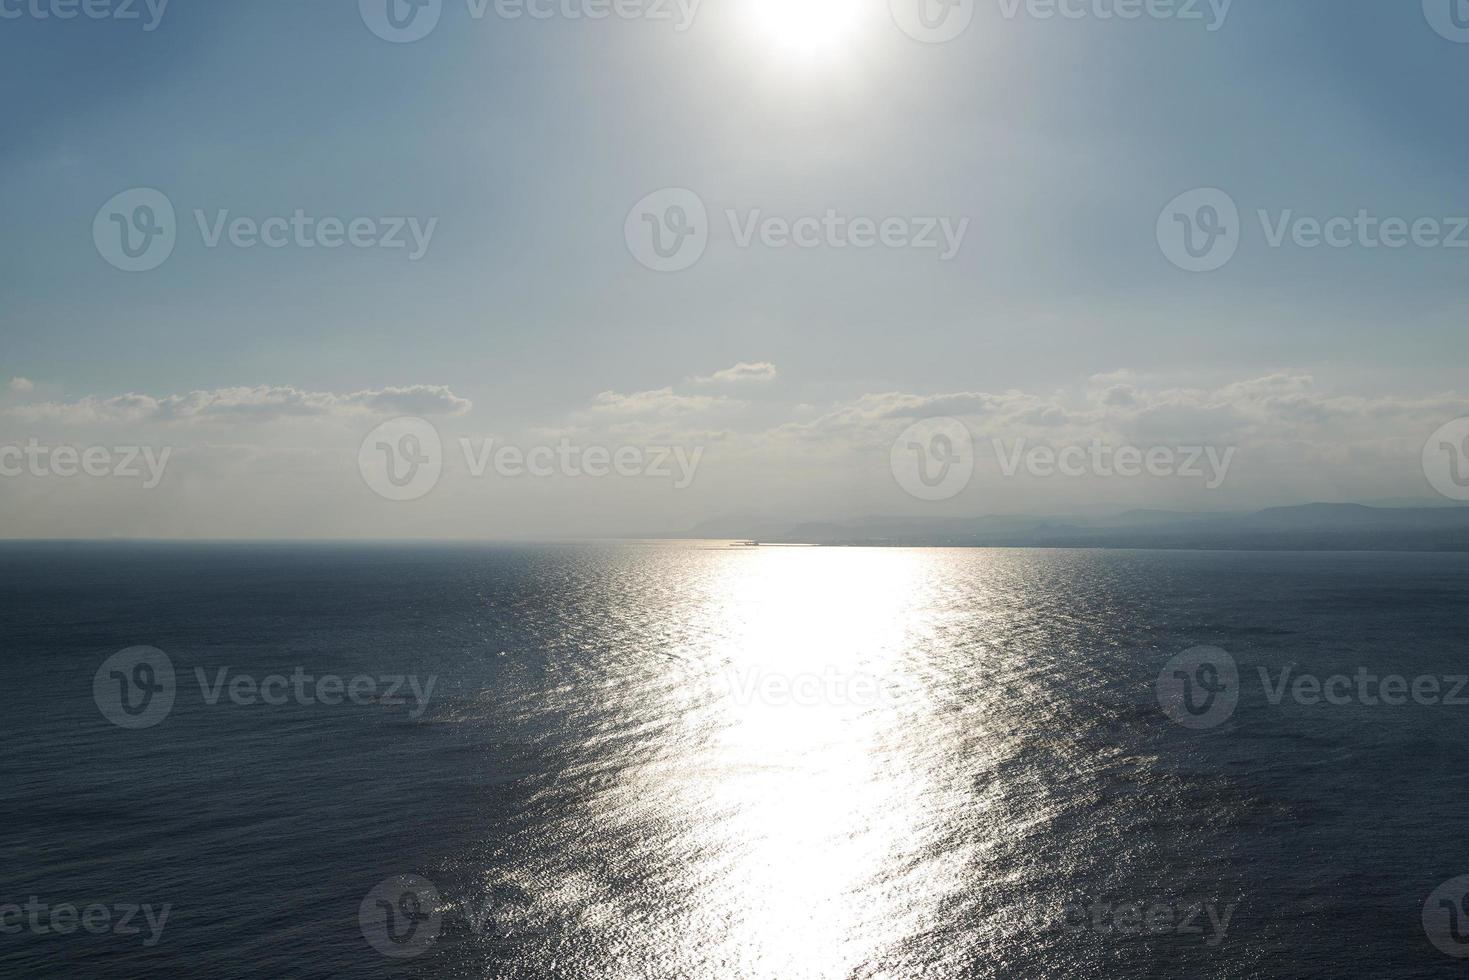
(805, 30)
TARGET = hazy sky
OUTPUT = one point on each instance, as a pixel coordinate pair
(1047, 148)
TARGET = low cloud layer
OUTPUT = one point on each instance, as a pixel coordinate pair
(1275, 409)
(263, 403)
(278, 461)
(664, 403)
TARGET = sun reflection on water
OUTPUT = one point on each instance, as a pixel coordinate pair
(690, 809)
(818, 803)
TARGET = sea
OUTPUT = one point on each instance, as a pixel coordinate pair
(692, 760)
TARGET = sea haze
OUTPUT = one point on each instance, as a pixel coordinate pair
(692, 760)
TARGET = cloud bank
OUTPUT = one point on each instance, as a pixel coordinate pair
(280, 461)
(263, 403)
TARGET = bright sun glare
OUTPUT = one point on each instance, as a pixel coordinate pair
(805, 29)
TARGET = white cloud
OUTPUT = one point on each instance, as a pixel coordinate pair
(662, 403)
(259, 404)
(743, 373)
(877, 413)
(21, 386)
(1274, 409)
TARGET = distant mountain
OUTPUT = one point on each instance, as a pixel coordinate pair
(1311, 527)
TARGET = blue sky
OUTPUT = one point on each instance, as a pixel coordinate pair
(529, 140)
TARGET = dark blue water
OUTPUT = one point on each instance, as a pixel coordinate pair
(610, 776)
